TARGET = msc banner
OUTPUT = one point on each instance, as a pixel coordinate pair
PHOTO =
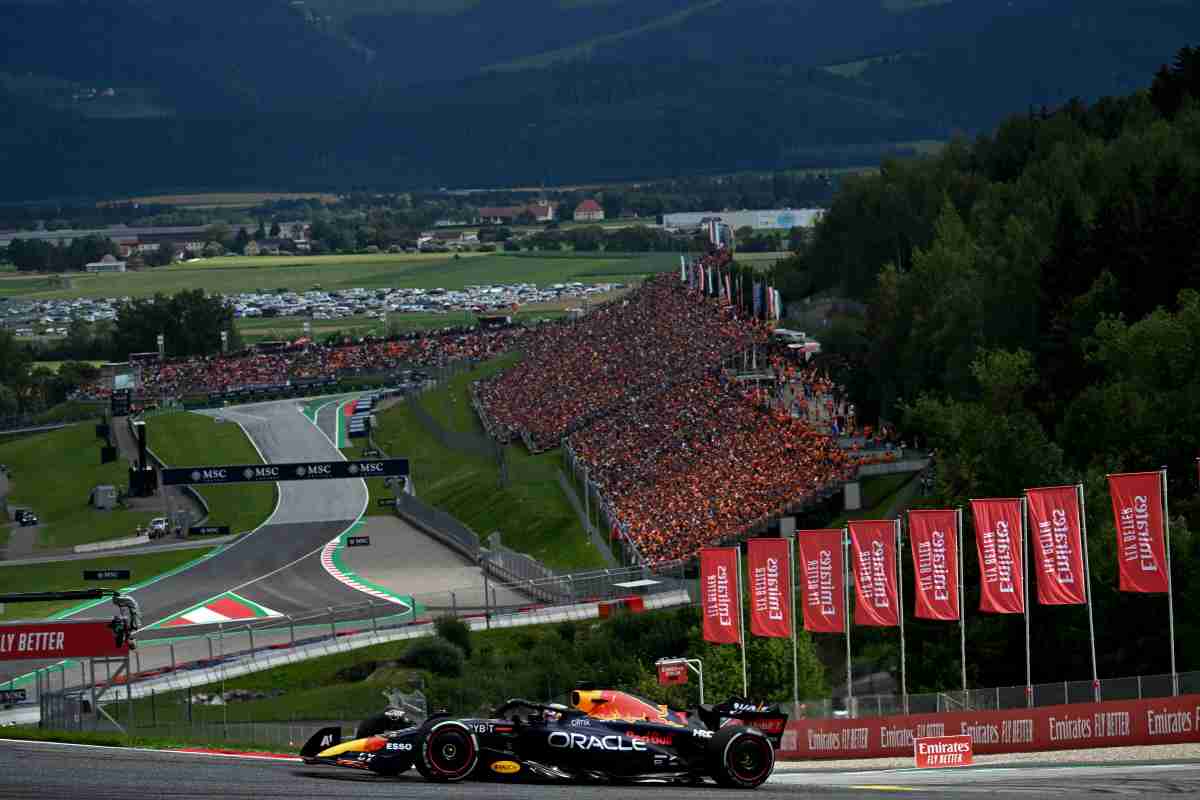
(821, 569)
(1137, 511)
(720, 595)
(998, 543)
(873, 563)
(770, 587)
(1055, 543)
(1167, 720)
(304, 471)
(46, 640)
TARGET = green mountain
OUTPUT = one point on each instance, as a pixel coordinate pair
(132, 95)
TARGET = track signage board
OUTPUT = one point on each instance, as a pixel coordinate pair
(208, 530)
(106, 574)
(300, 471)
(12, 696)
(385, 502)
(358, 541)
(62, 639)
(935, 752)
(1116, 723)
(672, 672)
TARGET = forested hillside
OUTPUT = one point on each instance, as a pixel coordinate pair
(1034, 309)
(135, 97)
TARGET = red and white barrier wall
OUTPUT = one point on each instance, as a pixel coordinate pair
(1169, 720)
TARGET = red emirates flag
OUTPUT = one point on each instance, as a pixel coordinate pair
(1057, 545)
(720, 596)
(933, 536)
(1001, 568)
(770, 587)
(873, 558)
(823, 574)
(1137, 511)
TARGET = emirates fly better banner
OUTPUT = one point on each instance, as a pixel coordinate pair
(720, 596)
(770, 587)
(1056, 545)
(933, 535)
(998, 542)
(873, 559)
(1137, 511)
(822, 573)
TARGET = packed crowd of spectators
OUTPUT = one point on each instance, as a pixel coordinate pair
(623, 351)
(308, 361)
(682, 453)
(704, 461)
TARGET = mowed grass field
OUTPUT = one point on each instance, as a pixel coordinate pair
(62, 575)
(233, 274)
(222, 199)
(54, 472)
(531, 512)
(195, 440)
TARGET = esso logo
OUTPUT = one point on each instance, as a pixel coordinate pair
(405, 746)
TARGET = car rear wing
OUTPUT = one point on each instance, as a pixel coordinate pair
(766, 717)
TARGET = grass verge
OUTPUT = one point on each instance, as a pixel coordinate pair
(233, 274)
(61, 575)
(187, 439)
(54, 473)
(114, 739)
(531, 512)
(879, 494)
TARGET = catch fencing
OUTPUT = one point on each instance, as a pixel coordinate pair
(999, 698)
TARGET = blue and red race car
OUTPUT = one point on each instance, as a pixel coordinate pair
(604, 736)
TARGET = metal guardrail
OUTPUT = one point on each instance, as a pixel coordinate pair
(1138, 687)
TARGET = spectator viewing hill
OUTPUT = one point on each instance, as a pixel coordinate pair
(682, 454)
(642, 344)
(571, 91)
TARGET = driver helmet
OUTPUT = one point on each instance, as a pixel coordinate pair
(553, 712)
(396, 716)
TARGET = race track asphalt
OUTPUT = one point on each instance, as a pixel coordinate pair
(277, 565)
(39, 770)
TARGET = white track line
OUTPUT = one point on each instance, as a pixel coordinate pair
(246, 756)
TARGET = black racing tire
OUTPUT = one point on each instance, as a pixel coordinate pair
(449, 752)
(741, 757)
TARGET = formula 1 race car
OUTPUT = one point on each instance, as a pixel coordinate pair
(603, 737)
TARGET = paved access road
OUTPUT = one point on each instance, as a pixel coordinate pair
(38, 770)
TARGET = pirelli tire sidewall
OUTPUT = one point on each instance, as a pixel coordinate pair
(730, 769)
(449, 751)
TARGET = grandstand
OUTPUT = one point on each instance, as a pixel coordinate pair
(681, 453)
(303, 364)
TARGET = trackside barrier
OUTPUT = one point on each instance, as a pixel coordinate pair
(1122, 723)
(998, 698)
(157, 670)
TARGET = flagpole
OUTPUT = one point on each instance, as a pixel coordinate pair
(1025, 598)
(742, 627)
(900, 617)
(962, 611)
(1087, 585)
(1170, 585)
(846, 616)
(792, 592)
